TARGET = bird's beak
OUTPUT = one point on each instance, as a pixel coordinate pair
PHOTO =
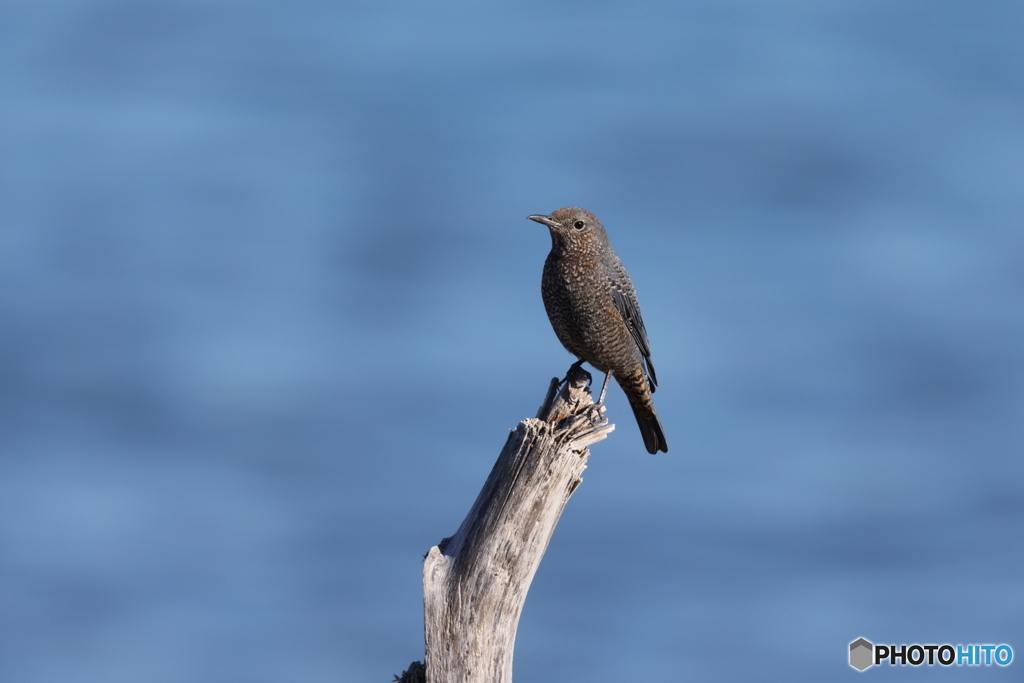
(546, 220)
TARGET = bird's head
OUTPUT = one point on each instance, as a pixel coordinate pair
(574, 229)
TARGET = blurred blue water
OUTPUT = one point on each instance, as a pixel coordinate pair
(270, 303)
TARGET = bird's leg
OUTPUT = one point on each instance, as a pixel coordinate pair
(604, 388)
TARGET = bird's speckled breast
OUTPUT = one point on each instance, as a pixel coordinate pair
(578, 299)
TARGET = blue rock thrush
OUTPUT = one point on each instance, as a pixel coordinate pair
(592, 305)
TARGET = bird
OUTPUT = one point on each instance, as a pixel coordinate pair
(594, 311)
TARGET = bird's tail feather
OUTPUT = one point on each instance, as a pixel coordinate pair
(650, 428)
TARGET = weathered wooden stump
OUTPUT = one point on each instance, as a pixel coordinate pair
(475, 583)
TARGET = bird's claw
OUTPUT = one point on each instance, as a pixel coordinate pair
(577, 367)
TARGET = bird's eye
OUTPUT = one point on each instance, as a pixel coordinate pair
(579, 225)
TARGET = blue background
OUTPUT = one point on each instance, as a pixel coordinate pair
(270, 304)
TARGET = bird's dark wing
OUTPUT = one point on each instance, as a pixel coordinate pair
(624, 297)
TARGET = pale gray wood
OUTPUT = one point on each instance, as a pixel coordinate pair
(475, 583)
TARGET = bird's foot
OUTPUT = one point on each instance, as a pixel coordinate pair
(574, 370)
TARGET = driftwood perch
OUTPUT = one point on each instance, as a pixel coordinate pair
(475, 583)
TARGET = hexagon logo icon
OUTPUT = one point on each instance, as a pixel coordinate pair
(861, 654)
